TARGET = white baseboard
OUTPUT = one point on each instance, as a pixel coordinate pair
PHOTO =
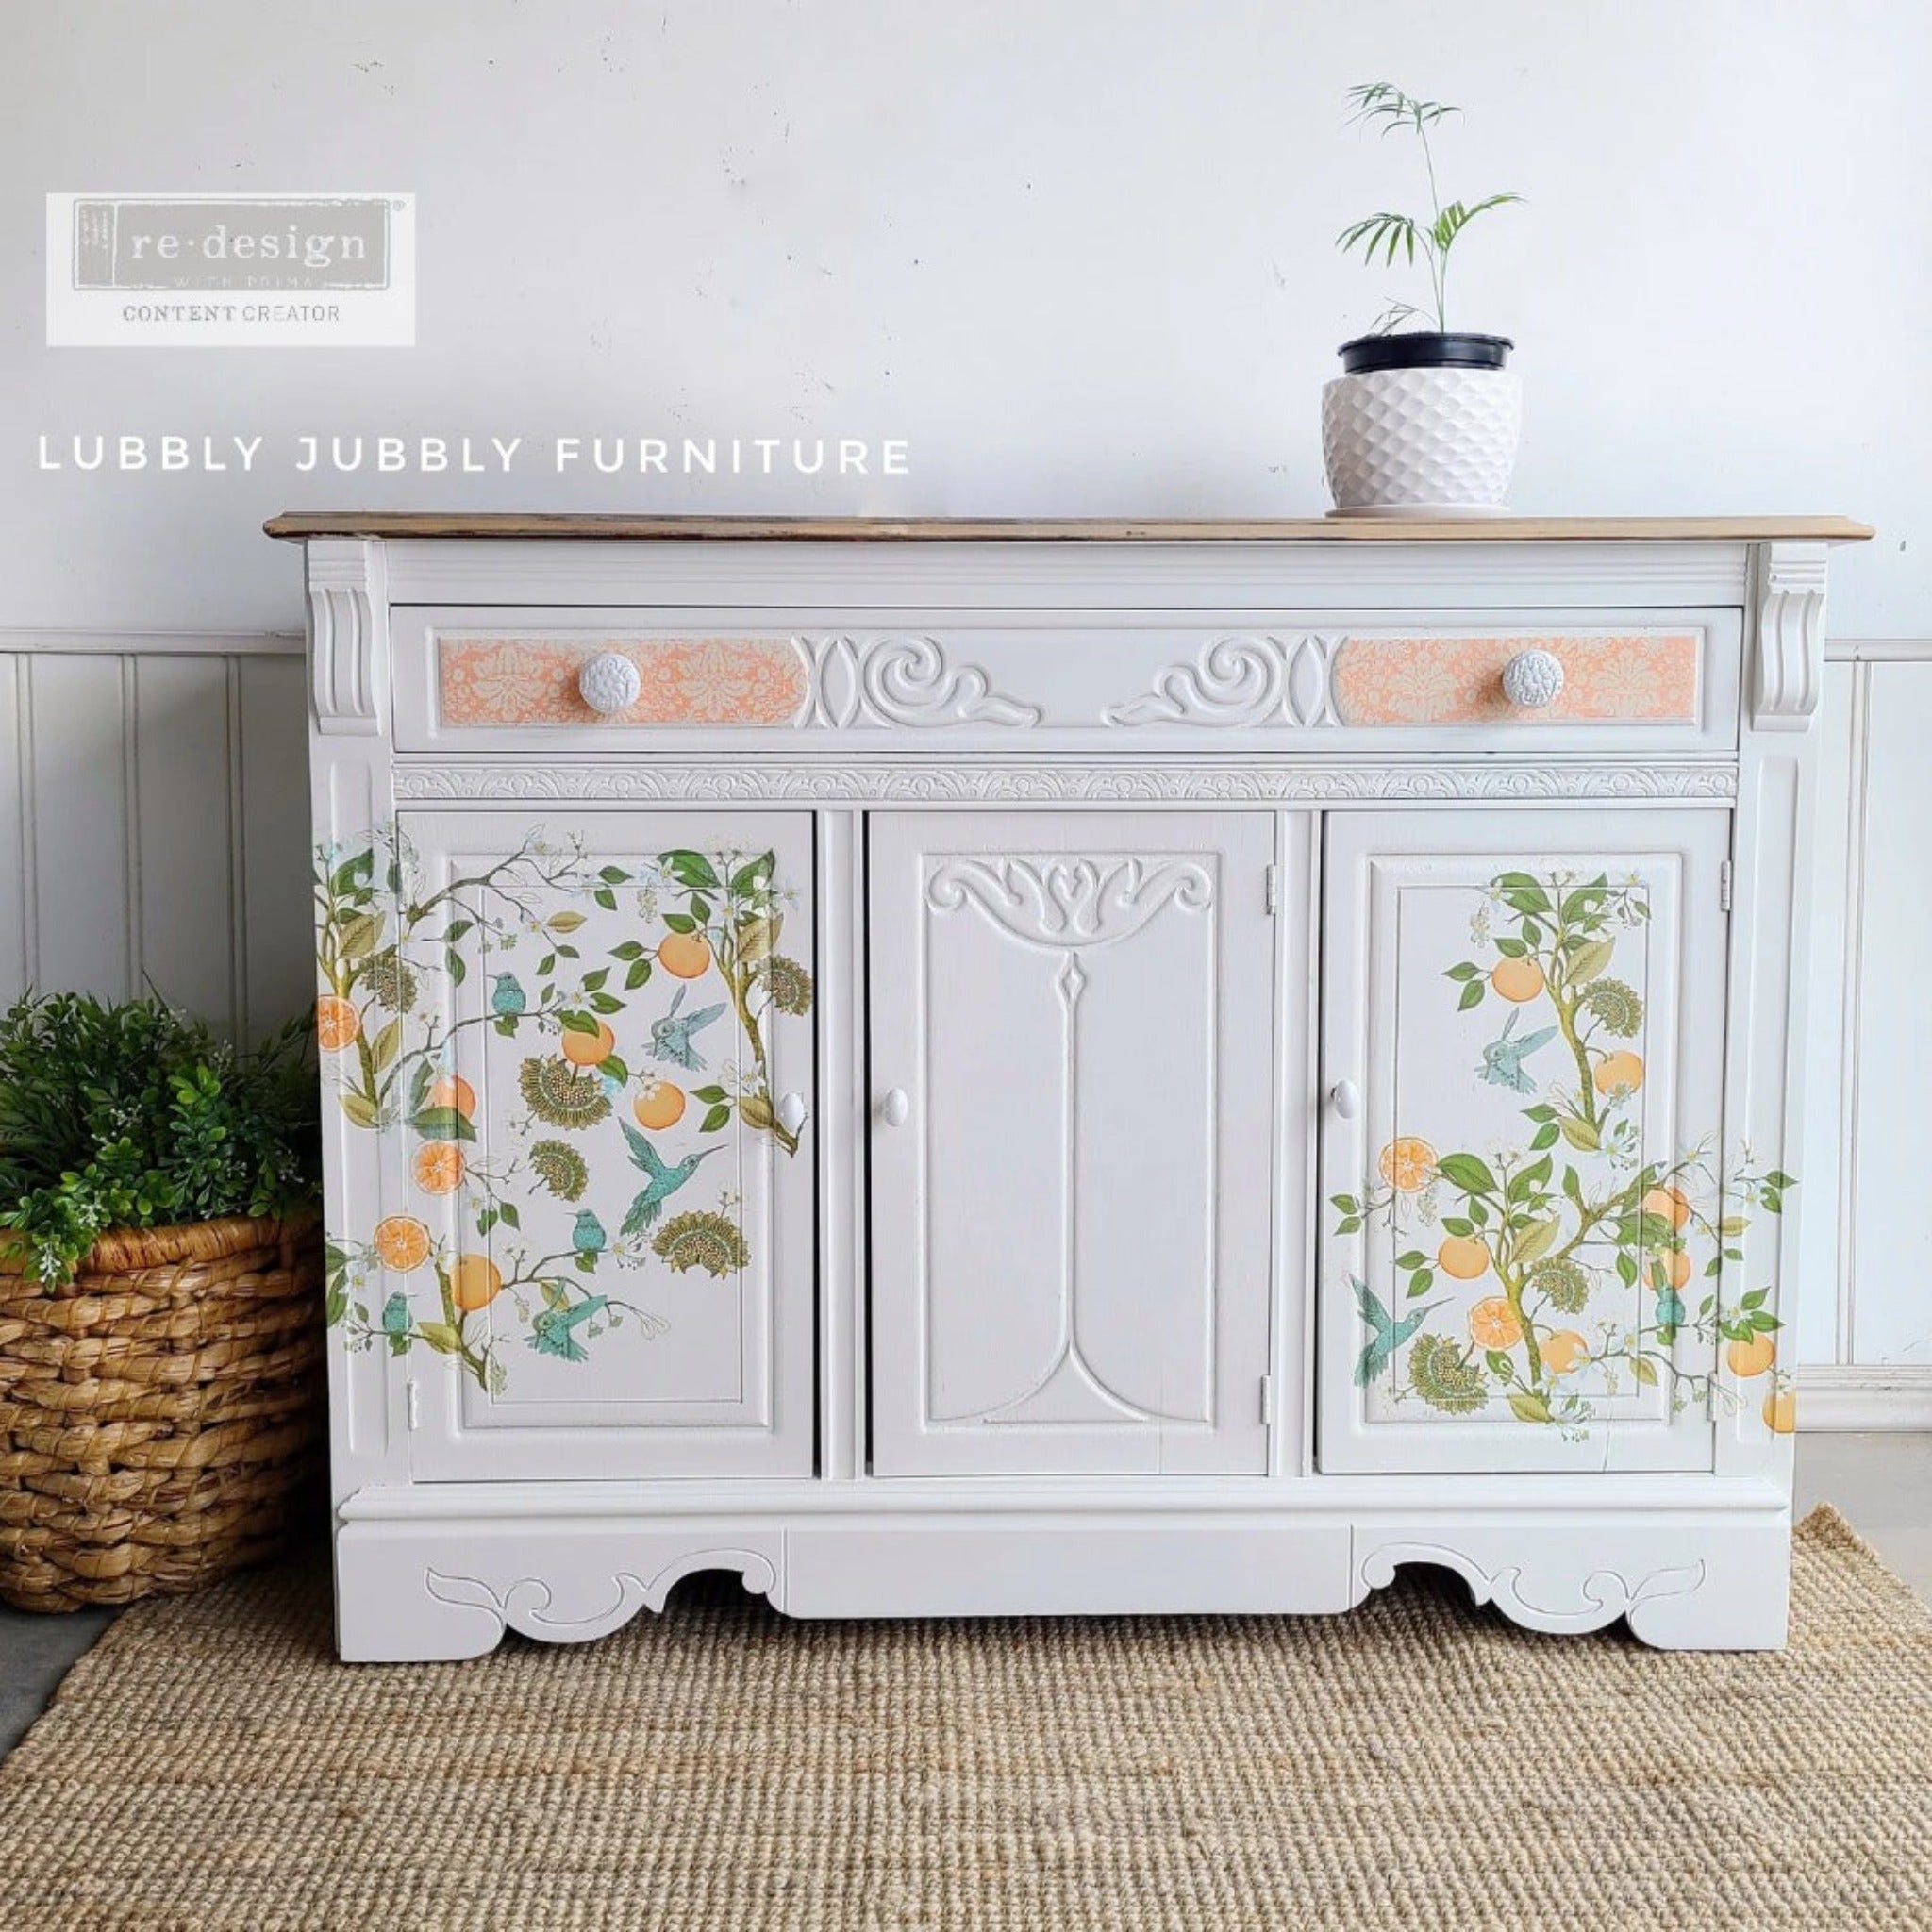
(1851, 1398)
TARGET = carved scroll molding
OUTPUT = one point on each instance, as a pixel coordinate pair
(1600, 1594)
(1070, 903)
(527, 1604)
(1788, 597)
(885, 681)
(348, 636)
(1239, 681)
(1177, 780)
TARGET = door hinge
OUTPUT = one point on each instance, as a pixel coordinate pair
(1267, 1398)
(1274, 889)
(414, 1404)
(1723, 884)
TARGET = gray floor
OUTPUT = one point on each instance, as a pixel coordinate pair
(1883, 1484)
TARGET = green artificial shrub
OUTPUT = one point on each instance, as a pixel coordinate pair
(135, 1115)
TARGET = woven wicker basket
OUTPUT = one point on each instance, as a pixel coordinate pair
(160, 1412)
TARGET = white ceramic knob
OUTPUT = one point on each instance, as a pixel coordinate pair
(791, 1111)
(609, 683)
(896, 1107)
(1346, 1098)
(1532, 679)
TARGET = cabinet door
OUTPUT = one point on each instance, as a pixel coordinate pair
(1525, 1203)
(1072, 1066)
(597, 1250)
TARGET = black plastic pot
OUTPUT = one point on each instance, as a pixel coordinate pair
(1424, 349)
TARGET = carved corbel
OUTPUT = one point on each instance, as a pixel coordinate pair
(348, 636)
(1787, 602)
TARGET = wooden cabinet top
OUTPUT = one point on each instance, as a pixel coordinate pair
(499, 526)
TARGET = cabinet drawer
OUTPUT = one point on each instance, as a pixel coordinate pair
(488, 679)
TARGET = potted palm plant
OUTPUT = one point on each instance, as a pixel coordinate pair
(161, 1299)
(1421, 421)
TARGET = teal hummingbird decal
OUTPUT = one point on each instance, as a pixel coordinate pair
(1385, 1334)
(1669, 1312)
(587, 1235)
(506, 996)
(671, 1037)
(664, 1180)
(395, 1322)
(551, 1329)
(1502, 1059)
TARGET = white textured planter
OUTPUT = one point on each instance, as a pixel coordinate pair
(1405, 442)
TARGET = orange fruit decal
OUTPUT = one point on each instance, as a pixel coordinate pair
(452, 1090)
(1408, 1163)
(1562, 1351)
(401, 1242)
(660, 1105)
(1748, 1359)
(1517, 979)
(1619, 1073)
(1671, 1266)
(1493, 1324)
(1463, 1257)
(590, 1049)
(1781, 1411)
(337, 1023)
(1667, 1204)
(474, 1282)
(439, 1167)
(684, 955)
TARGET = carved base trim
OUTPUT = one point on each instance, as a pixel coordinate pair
(1700, 1578)
(941, 782)
(1707, 1585)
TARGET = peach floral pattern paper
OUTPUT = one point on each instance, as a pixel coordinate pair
(1648, 677)
(688, 681)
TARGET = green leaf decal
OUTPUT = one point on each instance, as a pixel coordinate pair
(1468, 1171)
(691, 869)
(387, 1044)
(1535, 1241)
(1589, 962)
(360, 936)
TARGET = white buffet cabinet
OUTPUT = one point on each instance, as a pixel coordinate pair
(988, 1068)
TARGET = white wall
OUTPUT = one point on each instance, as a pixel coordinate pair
(1870, 1068)
(154, 823)
(1077, 255)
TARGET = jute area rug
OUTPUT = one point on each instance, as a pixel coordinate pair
(1414, 1764)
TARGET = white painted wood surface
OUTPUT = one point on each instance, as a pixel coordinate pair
(1401, 897)
(1121, 683)
(1074, 1205)
(1043, 1322)
(686, 1368)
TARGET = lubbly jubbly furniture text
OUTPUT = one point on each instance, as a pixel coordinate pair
(958, 1068)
